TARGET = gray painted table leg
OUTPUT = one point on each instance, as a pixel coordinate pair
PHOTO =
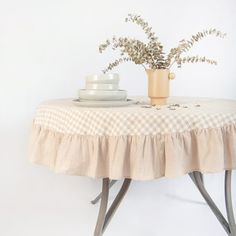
(116, 202)
(200, 176)
(103, 217)
(229, 227)
(228, 202)
(97, 199)
(103, 207)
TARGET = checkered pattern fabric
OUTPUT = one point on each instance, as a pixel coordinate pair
(65, 116)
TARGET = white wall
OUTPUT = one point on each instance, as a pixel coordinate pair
(46, 49)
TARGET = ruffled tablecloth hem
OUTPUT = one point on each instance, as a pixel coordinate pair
(135, 157)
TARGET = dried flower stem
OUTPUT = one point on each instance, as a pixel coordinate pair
(151, 53)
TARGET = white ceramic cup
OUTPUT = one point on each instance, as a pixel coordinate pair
(111, 78)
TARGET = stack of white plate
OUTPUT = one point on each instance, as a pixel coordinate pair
(102, 88)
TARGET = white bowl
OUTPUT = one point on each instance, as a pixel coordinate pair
(102, 86)
(103, 79)
(102, 95)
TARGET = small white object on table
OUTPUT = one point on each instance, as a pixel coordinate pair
(103, 87)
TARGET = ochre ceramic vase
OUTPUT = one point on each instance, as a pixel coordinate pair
(158, 85)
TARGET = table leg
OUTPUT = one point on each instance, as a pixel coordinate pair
(228, 202)
(97, 199)
(103, 207)
(103, 217)
(228, 227)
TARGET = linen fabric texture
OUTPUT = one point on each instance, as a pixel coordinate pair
(137, 141)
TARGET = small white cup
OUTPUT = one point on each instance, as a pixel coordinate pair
(111, 78)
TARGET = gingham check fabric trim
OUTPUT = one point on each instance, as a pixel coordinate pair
(65, 117)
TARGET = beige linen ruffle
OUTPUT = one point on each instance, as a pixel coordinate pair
(140, 157)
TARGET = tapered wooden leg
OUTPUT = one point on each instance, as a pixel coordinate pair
(97, 199)
(103, 207)
(103, 217)
(116, 202)
(228, 203)
(229, 226)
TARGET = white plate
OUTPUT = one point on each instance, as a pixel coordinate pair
(102, 95)
(104, 103)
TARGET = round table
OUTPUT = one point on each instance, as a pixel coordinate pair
(139, 142)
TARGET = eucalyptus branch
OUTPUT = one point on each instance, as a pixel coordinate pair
(116, 63)
(169, 67)
(196, 59)
(143, 66)
(151, 53)
(145, 27)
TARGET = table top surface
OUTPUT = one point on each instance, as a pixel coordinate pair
(138, 141)
(181, 114)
